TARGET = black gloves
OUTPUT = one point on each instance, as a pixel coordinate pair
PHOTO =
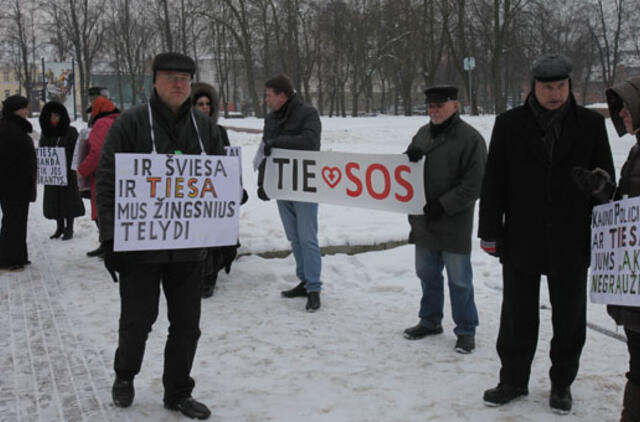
(245, 197)
(262, 194)
(268, 144)
(492, 247)
(433, 210)
(229, 254)
(113, 261)
(415, 154)
(596, 182)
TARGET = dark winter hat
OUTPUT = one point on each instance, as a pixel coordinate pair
(441, 93)
(94, 91)
(174, 62)
(45, 119)
(202, 89)
(551, 67)
(13, 103)
(627, 92)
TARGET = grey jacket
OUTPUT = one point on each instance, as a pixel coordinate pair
(131, 133)
(453, 170)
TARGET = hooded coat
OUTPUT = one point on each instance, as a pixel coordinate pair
(60, 201)
(18, 164)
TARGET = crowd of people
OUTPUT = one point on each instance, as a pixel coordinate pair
(548, 163)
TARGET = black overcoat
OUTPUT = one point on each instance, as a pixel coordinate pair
(529, 202)
(60, 201)
(18, 165)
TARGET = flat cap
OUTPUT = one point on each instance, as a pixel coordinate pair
(175, 62)
(441, 93)
(13, 103)
(98, 90)
(551, 67)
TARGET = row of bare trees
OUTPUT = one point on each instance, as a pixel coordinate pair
(345, 56)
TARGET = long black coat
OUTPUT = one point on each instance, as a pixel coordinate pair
(18, 165)
(530, 203)
(60, 201)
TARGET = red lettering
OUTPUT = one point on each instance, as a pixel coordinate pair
(208, 187)
(387, 181)
(153, 181)
(348, 169)
(402, 182)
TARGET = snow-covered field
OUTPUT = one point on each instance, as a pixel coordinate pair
(262, 357)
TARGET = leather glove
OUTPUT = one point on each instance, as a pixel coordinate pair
(114, 262)
(229, 254)
(589, 181)
(268, 144)
(415, 154)
(245, 197)
(492, 247)
(262, 194)
(433, 210)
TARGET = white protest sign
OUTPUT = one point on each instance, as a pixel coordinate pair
(81, 150)
(175, 201)
(615, 253)
(385, 182)
(52, 166)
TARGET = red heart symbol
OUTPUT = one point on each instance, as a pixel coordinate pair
(331, 176)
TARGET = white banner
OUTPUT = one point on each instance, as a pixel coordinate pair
(615, 253)
(81, 149)
(175, 201)
(52, 166)
(384, 182)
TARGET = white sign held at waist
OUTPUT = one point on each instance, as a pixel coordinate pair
(52, 166)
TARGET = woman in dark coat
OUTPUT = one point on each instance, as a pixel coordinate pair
(61, 203)
(624, 107)
(18, 171)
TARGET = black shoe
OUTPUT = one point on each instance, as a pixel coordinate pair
(560, 399)
(15, 267)
(503, 394)
(207, 291)
(191, 408)
(313, 301)
(99, 251)
(57, 234)
(420, 331)
(122, 392)
(465, 344)
(68, 234)
(298, 291)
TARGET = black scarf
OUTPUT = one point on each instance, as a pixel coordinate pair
(549, 121)
(442, 127)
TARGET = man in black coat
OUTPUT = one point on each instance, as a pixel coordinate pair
(18, 172)
(180, 271)
(537, 221)
(295, 125)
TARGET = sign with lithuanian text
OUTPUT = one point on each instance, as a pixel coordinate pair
(52, 166)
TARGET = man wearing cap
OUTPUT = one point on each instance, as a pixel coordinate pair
(454, 157)
(18, 174)
(536, 220)
(142, 273)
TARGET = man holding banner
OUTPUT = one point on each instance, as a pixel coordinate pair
(454, 156)
(291, 124)
(167, 133)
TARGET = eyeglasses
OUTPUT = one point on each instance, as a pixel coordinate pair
(184, 79)
(203, 103)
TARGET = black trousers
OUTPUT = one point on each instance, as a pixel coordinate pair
(139, 297)
(519, 322)
(633, 343)
(13, 234)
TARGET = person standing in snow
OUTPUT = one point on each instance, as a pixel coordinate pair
(291, 124)
(623, 100)
(454, 155)
(166, 125)
(60, 203)
(535, 219)
(18, 176)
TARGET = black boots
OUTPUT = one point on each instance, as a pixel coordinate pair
(631, 403)
(503, 394)
(560, 399)
(65, 232)
(420, 331)
(313, 301)
(59, 230)
(68, 232)
(190, 407)
(99, 251)
(122, 392)
(298, 291)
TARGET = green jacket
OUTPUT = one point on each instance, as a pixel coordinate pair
(453, 170)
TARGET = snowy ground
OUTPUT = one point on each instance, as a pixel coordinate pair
(261, 357)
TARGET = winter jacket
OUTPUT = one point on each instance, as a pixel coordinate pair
(295, 125)
(627, 93)
(529, 203)
(453, 168)
(18, 164)
(101, 125)
(60, 201)
(131, 133)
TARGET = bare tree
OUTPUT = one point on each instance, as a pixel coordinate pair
(606, 25)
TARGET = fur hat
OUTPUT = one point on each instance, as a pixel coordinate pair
(627, 92)
(45, 119)
(13, 103)
(175, 62)
(441, 93)
(202, 89)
